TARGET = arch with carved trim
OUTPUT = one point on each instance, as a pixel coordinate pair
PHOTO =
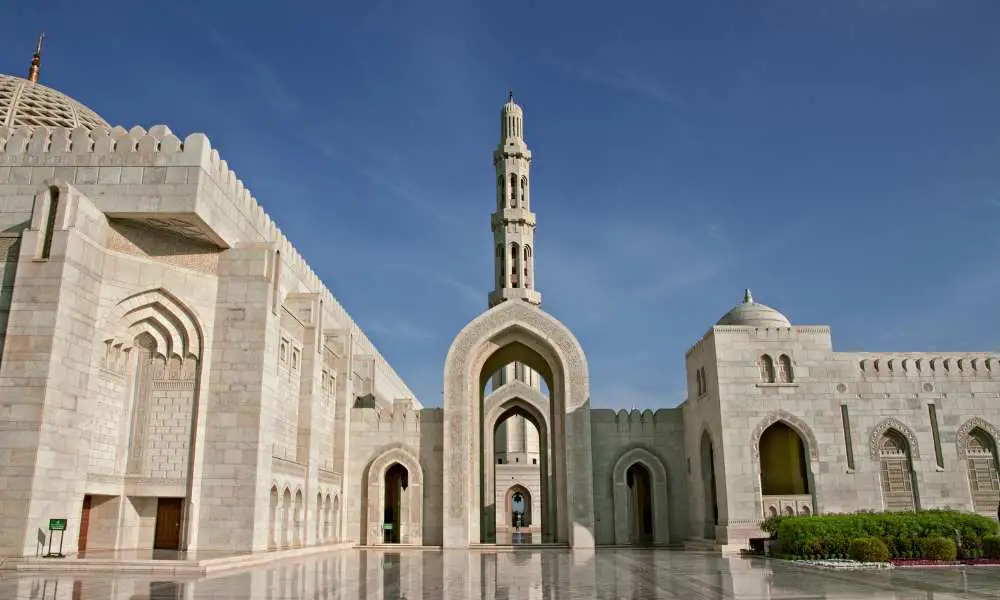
(796, 503)
(515, 331)
(623, 501)
(977, 447)
(374, 486)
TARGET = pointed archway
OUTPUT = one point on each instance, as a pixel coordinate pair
(516, 331)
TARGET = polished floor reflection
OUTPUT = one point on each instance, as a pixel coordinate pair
(522, 575)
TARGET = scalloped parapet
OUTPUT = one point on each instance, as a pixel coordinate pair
(935, 365)
(145, 172)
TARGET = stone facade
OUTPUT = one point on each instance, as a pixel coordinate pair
(174, 375)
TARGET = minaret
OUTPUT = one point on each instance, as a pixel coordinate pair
(36, 61)
(513, 222)
(513, 226)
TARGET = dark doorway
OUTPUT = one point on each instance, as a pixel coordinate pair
(395, 482)
(168, 524)
(81, 545)
(640, 504)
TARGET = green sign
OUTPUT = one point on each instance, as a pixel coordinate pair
(57, 524)
(387, 526)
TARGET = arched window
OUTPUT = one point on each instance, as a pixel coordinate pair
(697, 378)
(524, 191)
(766, 365)
(527, 263)
(784, 369)
(981, 459)
(896, 472)
(513, 190)
(499, 191)
(514, 252)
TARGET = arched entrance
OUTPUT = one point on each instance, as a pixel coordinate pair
(517, 509)
(783, 450)
(641, 503)
(393, 499)
(516, 332)
(396, 481)
(977, 445)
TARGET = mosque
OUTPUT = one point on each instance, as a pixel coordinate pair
(175, 376)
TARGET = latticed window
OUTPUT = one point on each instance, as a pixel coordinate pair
(983, 479)
(766, 365)
(896, 472)
(784, 369)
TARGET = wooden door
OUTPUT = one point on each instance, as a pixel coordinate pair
(81, 545)
(168, 524)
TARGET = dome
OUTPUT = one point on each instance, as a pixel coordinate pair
(23, 103)
(754, 314)
(511, 107)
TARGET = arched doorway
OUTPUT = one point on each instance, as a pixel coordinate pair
(392, 499)
(516, 332)
(517, 400)
(272, 529)
(784, 471)
(641, 501)
(709, 489)
(396, 482)
(640, 485)
(517, 525)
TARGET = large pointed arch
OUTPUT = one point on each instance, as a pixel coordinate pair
(515, 330)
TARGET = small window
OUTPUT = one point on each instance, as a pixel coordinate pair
(283, 351)
(517, 460)
(534, 461)
(499, 461)
(295, 359)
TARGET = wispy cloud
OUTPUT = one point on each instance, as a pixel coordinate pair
(616, 75)
(397, 329)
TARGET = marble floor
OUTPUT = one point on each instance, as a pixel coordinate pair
(521, 575)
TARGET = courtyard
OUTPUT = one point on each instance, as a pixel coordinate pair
(521, 574)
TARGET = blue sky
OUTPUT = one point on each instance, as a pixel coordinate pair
(842, 159)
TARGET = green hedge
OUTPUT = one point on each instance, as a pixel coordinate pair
(991, 546)
(904, 533)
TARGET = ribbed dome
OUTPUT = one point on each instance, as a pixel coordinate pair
(754, 314)
(25, 103)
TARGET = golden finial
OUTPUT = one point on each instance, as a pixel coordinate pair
(36, 60)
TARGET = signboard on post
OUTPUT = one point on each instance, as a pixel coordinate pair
(60, 526)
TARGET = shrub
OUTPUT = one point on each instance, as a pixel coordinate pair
(938, 548)
(991, 546)
(868, 549)
(902, 533)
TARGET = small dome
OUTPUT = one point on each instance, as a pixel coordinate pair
(754, 314)
(23, 103)
(511, 107)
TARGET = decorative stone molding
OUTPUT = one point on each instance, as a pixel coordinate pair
(798, 425)
(962, 439)
(892, 423)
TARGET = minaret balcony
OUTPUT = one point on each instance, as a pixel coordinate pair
(513, 215)
(529, 295)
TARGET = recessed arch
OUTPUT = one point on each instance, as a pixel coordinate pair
(977, 448)
(179, 325)
(500, 336)
(624, 503)
(411, 519)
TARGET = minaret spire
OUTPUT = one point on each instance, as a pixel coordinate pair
(36, 60)
(513, 223)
